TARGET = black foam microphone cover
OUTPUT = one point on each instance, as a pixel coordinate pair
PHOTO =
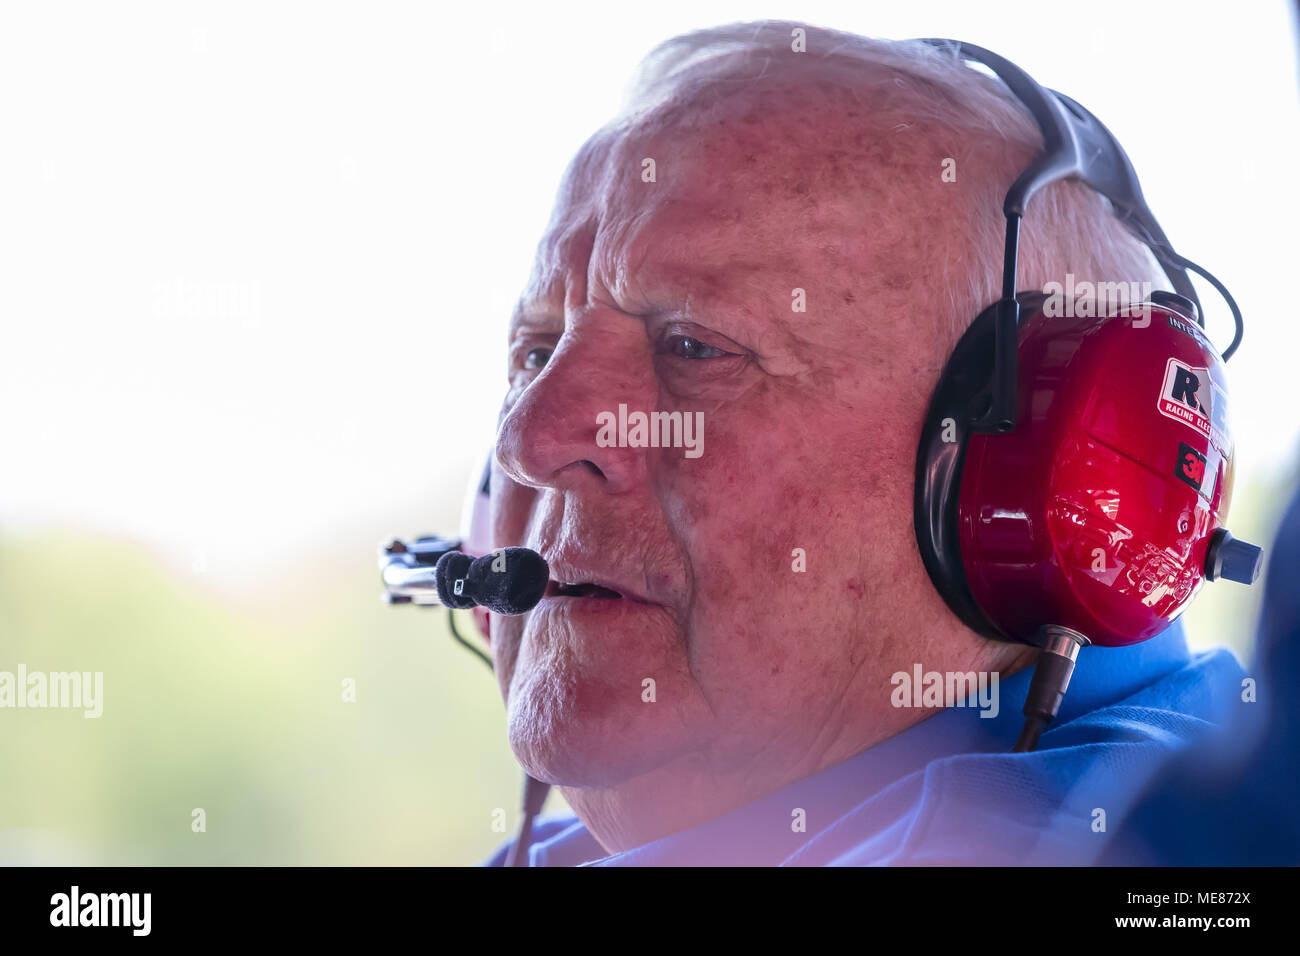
(509, 581)
(452, 567)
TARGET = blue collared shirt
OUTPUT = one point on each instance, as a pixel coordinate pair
(949, 791)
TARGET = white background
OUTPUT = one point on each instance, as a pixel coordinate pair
(256, 259)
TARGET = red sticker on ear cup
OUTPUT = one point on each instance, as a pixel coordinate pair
(1190, 466)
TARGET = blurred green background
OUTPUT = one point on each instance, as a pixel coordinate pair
(236, 706)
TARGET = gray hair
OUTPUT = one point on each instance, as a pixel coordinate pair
(1067, 228)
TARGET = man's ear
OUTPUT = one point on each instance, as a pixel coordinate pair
(483, 619)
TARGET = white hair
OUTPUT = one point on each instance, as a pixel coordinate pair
(1067, 227)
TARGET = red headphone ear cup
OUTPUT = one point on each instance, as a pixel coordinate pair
(1088, 515)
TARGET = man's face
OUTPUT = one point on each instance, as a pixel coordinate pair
(680, 295)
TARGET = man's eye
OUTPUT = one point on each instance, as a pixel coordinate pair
(536, 358)
(684, 346)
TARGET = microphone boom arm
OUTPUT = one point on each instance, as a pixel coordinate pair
(407, 570)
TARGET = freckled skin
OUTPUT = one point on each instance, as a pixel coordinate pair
(762, 675)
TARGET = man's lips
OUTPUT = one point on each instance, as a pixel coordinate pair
(575, 577)
(556, 589)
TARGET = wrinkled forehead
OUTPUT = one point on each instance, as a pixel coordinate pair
(822, 165)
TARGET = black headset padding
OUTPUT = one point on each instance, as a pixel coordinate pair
(1078, 145)
(962, 395)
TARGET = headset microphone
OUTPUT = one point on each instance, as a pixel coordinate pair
(434, 572)
(508, 581)
(431, 571)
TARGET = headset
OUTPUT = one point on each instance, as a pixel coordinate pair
(1074, 470)
(1075, 465)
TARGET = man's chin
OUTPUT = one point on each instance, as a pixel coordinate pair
(558, 740)
(598, 697)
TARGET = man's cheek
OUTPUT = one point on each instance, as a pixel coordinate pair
(738, 639)
(762, 602)
(511, 506)
(507, 632)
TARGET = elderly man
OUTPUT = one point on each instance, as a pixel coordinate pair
(781, 238)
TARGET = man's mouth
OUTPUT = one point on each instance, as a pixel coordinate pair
(582, 589)
(579, 576)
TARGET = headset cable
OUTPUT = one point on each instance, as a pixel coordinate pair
(1052, 671)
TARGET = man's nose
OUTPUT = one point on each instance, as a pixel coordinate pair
(548, 437)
